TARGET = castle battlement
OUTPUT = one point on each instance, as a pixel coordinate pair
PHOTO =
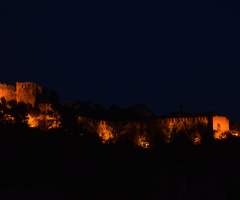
(219, 124)
(27, 92)
(167, 126)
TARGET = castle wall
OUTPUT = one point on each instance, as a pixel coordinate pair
(27, 92)
(184, 122)
(220, 123)
(143, 129)
(8, 92)
(109, 130)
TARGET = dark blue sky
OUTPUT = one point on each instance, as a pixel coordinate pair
(125, 52)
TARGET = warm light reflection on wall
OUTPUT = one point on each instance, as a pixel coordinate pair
(143, 132)
(219, 135)
(220, 127)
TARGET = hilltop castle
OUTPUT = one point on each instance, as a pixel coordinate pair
(27, 92)
(32, 93)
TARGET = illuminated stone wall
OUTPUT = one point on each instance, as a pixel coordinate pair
(183, 123)
(27, 92)
(170, 126)
(8, 92)
(220, 124)
(108, 130)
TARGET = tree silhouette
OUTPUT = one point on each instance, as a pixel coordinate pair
(54, 99)
(3, 104)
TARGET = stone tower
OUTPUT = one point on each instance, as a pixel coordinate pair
(8, 92)
(28, 92)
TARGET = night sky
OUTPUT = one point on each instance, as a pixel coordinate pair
(125, 52)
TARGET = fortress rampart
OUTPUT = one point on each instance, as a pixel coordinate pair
(109, 130)
(8, 92)
(27, 92)
(32, 93)
(215, 123)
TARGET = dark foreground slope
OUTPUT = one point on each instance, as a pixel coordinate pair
(56, 165)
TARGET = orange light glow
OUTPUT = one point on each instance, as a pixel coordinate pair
(197, 139)
(105, 132)
(219, 135)
(32, 121)
(44, 120)
(142, 142)
(140, 132)
(8, 118)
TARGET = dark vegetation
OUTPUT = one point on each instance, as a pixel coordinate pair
(72, 163)
(55, 165)
(97, 111)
